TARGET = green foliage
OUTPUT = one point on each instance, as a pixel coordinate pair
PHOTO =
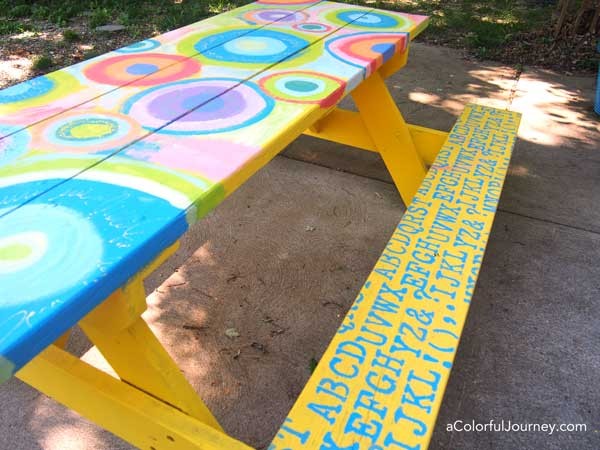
(312, 364)
(89, 54)
(71, 35)
(19, 11)
(13, 27)
(42, 62)
(100, 16)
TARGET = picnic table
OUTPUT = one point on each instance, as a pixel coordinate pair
(105, 164)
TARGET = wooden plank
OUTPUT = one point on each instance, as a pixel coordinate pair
(125, 411)
(347, 127)
(133, 351)
(381, 381)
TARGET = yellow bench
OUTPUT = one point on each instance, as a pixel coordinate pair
(380, 383)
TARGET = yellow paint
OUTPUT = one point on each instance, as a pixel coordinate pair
(62, 341)
(125, 306)
(152, 400)
(348, 128)
(92, 130)
(136, 355)
(395, 63)
(125, 411)
(381, 381)
(391, 136)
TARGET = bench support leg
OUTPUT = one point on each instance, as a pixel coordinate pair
(130, 413)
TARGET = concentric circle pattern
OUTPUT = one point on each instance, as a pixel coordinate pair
(86, 132)
(13, 144)
(27, 90)
(36, 243)
(38, 91)
(366, 50)
(209, 105)
(239, 47)
(304, 87)
(363, 19)
(266, 16)
(312, 27)
(142, 46)
(145, 69)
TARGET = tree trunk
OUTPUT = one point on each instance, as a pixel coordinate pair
(572, 20)
(563, 7)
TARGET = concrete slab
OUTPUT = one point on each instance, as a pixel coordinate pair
(529, 351)
(555, 170)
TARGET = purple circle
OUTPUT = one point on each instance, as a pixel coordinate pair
(279, 15)
(215, 104)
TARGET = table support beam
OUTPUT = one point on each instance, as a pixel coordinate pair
(152, 405)
(133, 351)
(347, 127)
(391, 136)
(129, 413)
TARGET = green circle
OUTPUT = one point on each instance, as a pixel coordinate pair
(301, 85)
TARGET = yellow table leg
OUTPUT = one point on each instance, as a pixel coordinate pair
(62, 341)
(391, 136)
(136, 355)
(120, 408)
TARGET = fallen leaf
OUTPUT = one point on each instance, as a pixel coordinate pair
(232, 333)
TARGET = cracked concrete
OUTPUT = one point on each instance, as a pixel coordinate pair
(282, 259)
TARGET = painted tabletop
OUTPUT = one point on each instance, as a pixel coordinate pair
(106, 163)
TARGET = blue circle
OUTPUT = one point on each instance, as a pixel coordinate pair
(69, 217)
(369, 20)
(141, 69)
(240, 48)
(14, 141)
(142, 46)
(387, 50)
(26, 90)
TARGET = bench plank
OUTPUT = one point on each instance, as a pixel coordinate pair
(380, 382)
(121, 208)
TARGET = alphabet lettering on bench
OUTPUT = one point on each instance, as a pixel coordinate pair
(327, 412)
(369, 428)
(336, 389)
(424, 317)
(388, 362)
(383, 384)
(377, 339)
(407, 333)
(329, 444)
(413, 392)
(286, 429)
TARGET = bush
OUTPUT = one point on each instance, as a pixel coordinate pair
(42, 62)
(71, 36)
(99, 17)
(20, 11)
